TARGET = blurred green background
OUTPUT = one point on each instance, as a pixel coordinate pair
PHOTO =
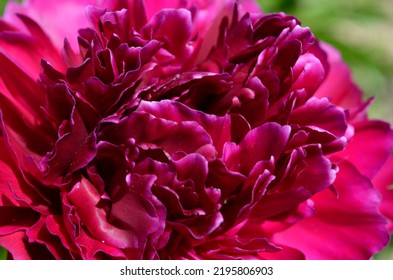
(362, 31)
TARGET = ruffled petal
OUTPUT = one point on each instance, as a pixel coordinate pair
(353, 212)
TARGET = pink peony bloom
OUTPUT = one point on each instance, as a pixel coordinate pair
(183, 130)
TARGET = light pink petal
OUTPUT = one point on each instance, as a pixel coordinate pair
(53, 15)
(330, 234)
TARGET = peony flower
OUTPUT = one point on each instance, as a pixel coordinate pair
(183, 130)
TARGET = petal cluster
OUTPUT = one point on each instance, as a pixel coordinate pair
(183, 130)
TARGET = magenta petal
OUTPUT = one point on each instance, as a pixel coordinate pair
(91, 248)
(151, 132)
(383, 181)
(338, 86)
(39, 233)
(14, 243)
(286, 253)
(26, 93)
(310, 176)
(353, 213)
(320, 115)
(14, 190)
(232, 248)
(370, 147)
(219, 128)
(8, 182)
(56, 227)
(261, 143)
(308, 74)
(73, 150)
(170, 26)
(135, 212)
(85, 198)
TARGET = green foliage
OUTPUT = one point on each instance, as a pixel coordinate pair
(3, 254)
(2, 5)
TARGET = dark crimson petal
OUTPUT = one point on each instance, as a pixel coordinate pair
(81, 72)
(39, 233)
(308, 172)
(85, 198)
(339, 219)
(70, 58)
(56, 227)
(221, 178)
(219, 128)
(73, 150)
(14, 219)
(261, 143)
(308, 74)
(255, 108)
(19, 192)
(91, 248)
(171, 26)
(238, 205)
(151, 132)
(320, 115)
(135, 212)
(194, 167)
(200, 226)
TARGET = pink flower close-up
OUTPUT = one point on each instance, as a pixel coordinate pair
(197, 129)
